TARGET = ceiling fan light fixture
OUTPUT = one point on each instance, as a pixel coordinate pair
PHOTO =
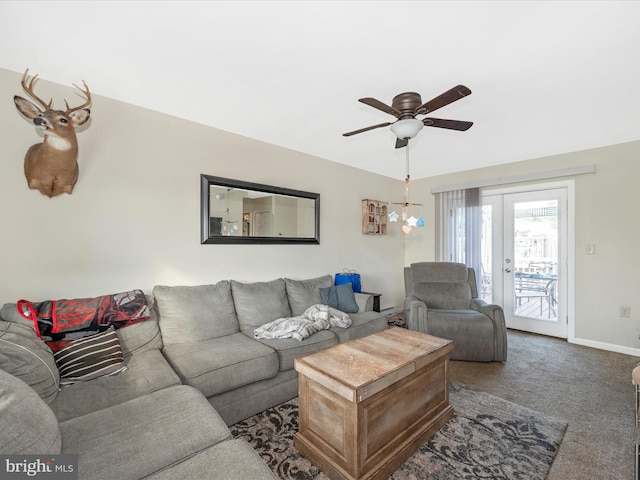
(407, 128)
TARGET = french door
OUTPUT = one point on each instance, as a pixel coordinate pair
(525, 257)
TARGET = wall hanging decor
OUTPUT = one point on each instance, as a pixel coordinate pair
(51, 167)
(408, 222)
(374, 217)
(247, 213)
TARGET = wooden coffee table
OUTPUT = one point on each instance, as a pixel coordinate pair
(366, 405)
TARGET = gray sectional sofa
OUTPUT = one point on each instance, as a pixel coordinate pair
(193, 368)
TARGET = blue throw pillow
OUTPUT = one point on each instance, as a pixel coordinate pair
(340, 297)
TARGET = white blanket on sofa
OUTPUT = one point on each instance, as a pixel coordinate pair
(315, 318)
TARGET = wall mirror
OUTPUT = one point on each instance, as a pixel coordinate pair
(234, 211)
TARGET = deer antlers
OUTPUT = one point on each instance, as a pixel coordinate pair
(47, 106)
(29, 90)
(87, 94)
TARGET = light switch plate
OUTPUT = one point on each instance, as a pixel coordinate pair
(590, 249)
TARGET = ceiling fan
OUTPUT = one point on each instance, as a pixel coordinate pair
(406, 106)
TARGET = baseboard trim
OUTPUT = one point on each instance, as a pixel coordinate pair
(611, 347)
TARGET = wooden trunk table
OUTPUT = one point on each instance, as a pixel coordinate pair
(366, 405)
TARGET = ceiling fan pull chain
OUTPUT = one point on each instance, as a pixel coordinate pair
(407, 161)
(405, 208)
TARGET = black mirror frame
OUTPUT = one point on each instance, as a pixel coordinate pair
(206, 181)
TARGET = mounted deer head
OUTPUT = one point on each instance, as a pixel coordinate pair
(52, 166)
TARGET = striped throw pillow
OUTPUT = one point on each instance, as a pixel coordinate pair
(90, 357)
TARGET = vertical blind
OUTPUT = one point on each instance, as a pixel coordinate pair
(458, 222)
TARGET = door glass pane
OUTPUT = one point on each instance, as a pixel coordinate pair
(486, 263)
(536, 259)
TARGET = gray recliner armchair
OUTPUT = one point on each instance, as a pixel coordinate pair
(442, 300)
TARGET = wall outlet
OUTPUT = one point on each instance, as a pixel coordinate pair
(625, 312)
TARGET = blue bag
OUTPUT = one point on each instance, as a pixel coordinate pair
(349, 276)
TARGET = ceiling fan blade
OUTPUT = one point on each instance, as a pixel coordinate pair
(348, 134)
(450, 96)
(450, 124)
(372, 102)
(401, 142)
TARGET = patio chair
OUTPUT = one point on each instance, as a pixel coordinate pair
(442, 300)
(543, 288)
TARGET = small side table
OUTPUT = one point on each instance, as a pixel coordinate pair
(376, 300)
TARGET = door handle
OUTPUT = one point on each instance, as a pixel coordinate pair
(507, 270)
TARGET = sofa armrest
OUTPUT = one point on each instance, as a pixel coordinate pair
(496, 314)
(364, 301)
(415, 314)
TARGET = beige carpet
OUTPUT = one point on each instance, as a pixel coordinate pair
(590, 389)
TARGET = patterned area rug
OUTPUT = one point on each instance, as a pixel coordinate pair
(488, 438)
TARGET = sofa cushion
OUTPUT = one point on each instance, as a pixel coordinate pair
(304, 293)
(9, 313)
(444, 295)
(27, 424)
(150, 432)
(195, 313)
(141, 336)
(147, 371)
(472, 332)
(260, 302)
(441, 285)
(340, 297)
(243, 402)
(222, 364)
(439, 272)
(362, 324)
(232, 459)
(27, 357)
(90, 357)
(288, 348)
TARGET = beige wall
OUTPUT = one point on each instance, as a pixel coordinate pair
(606, 215)
(133, 218)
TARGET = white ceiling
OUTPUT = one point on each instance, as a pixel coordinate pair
(547, 77)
